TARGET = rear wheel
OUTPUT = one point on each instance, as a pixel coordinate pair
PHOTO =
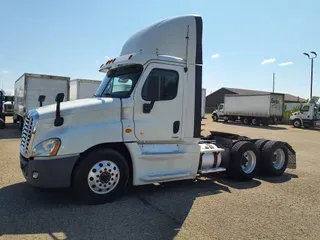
(274, 158)
(244, 162)
(100, 177)
(246, 121)
(265, 122)
(255, 122)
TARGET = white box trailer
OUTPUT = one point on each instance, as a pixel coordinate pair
(83, 88)
(254, 109)
(29, 87)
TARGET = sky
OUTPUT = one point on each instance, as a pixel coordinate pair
(244, 42)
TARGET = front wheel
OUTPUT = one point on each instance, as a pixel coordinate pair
(296, 123)
(215, 117)
(100, 177)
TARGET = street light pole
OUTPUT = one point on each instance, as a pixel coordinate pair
(311, 72)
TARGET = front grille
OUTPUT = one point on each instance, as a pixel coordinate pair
(26, 135)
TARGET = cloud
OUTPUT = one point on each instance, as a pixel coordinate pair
(4, 71)
(268, 60)
(215, 55)
(285, 64)
(106, 57)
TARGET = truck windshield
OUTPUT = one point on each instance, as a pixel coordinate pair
(119, 82)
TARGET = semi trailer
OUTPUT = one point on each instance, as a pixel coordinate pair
(32, 90)
(143, 126)
(83, 88)
(257, 109)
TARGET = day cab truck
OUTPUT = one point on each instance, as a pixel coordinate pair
(143, 126)
(34, 90)
(308, 116)
(256, 109)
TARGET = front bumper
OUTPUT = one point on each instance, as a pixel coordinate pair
(51, 173)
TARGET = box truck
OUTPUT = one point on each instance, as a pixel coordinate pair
(143, 126)
(28, 89)
(258, 109)
(83, 88)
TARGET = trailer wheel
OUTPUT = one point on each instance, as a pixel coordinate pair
(265, 122)
(255, 122)
(244, 162)
(100, 177)
(246, 121)
(274, 158)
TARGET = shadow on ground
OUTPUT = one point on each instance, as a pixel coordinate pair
(11, 131)
(145, 212)
(280, 179)
(273, 127)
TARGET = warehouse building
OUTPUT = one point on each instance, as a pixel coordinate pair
(214, 99)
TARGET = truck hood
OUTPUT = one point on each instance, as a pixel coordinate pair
(76, 106)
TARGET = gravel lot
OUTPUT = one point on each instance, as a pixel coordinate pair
(286, 207)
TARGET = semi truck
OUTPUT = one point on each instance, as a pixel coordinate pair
(143, 126)
(258, 109)
(83, 88)
(32, 90)
(8, 105)
(308, 116)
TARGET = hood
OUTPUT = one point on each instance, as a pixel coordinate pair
(76, 106)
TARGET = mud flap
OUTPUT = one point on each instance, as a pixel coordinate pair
(292, 161)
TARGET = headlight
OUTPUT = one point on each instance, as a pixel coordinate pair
(47, 148)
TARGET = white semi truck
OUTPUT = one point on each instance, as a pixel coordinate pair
(32, 90)
(143, 126)
(251, 109)
(308, 116)
(83, 88)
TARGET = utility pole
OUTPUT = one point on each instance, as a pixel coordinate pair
(273, 81)
(311, 72)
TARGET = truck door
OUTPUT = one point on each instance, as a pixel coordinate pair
(163, 120)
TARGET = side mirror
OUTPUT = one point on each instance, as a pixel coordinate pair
(41, 99)
(59, 97)
(59, 120)
(153, 92)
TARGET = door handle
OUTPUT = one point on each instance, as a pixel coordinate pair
(176, 126)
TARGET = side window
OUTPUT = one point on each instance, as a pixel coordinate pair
(305, 108)
(168, 81)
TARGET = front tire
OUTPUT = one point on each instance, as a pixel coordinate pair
(244, 162)
(215, 117)
(296, 123)
(100, 177)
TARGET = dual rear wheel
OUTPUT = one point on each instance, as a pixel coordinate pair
(250, 159)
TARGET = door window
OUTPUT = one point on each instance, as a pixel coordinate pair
(168, 81)
(305, 108)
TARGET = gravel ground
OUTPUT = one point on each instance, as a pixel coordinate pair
(285, 207)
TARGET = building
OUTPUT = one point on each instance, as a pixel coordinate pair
(214, 99)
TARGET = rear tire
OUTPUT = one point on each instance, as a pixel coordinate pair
(246, 121)
(92, 180)
(244, 162)
(274, 158)
(265, 122)
(260, 144)
(255, 122)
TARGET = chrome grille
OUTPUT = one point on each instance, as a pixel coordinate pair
(26, 135)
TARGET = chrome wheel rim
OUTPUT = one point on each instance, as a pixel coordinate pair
(103, 177)
(279, 158)
(296, 123)
(248, 162)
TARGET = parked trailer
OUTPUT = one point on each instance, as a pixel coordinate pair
(251, 109)
(83, 88)
(148, 133)
(29, 87)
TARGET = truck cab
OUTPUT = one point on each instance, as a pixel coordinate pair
(218, 113)
(143, 126)
(309, 114)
